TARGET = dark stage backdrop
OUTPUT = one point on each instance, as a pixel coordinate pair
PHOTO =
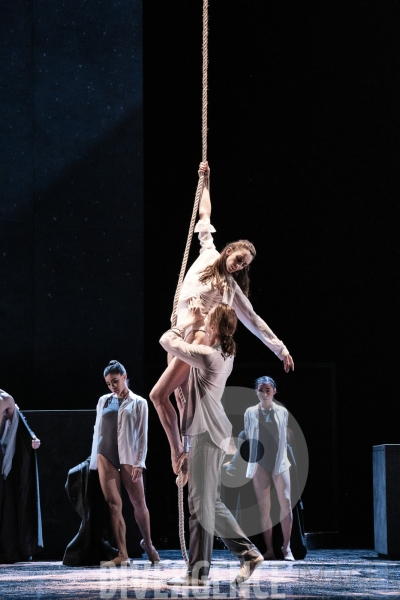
(304, 154)
(71, 209)
(303, 145)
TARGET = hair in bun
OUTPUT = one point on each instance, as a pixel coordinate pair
(115, 368)
(265, 379)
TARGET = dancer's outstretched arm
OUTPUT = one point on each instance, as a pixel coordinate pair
(256, 325)
(242, 306)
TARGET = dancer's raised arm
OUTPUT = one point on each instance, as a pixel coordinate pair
(205, 201)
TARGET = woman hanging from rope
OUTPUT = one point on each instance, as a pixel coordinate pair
(214, 278)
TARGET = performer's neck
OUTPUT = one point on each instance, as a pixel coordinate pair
(266, 405)
(211, 339)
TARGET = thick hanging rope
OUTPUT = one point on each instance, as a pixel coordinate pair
(187, 248)
(204, 158)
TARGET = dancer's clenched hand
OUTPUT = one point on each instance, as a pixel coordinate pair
(204, 169)
(35, 443)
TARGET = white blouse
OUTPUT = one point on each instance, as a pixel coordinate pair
(131, 431)
(233, 295)
(252, 429)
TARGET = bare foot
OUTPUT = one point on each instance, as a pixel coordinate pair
(287, 555)
(151, 552)
(117, 561)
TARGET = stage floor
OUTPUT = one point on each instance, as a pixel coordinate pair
(330, 574)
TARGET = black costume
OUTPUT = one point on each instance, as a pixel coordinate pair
(20, 517)
(268, 440)
(90, 545)
(108, 441)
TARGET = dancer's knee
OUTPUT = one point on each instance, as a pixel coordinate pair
(287, 497)
(114, 504)
(139, 504)
(155, 397)
(286, 505)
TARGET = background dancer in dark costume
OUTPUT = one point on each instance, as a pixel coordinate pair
(20, 517)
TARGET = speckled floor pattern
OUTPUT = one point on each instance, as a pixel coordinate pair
(328, 574)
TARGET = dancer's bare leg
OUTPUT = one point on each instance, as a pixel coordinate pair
(183, 387)
(262, 489)
(174, 375)
(110, 482)
(138, 500)
(194, 337)
(282, 485)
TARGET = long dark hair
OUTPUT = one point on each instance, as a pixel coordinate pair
(224, 320)
(217, 273)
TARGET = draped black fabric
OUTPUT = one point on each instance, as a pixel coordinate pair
(90, 546)
(20, 517)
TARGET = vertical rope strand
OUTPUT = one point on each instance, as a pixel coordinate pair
(182, 520)
(187, 248)
(204, 158)
(205, 80)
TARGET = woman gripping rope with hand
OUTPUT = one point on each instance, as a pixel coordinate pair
(213, 278)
